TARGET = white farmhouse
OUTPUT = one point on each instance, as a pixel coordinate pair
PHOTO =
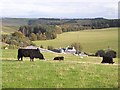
(70, 50)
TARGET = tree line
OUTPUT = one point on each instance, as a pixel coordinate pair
(40, 32)
(45, 29)
(87, 22)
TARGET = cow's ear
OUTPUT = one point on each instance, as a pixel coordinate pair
(37, 48)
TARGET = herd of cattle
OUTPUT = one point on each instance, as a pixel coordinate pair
(35, 53)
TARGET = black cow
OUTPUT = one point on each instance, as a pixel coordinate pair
(32, 53)
(59, 58)
(107, 59)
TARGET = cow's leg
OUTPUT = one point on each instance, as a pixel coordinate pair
(33, 59)
(112, 61)
(30, 59)
(18, 58)
(21, 58)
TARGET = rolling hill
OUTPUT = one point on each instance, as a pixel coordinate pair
(91, 40)
(10, 25)
(14, 21)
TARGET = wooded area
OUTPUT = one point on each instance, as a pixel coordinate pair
(48, 28)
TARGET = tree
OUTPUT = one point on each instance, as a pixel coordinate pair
(38, 36)
(58, 29)
(77, 46)
(53, 35)
(50, 47)
(44, 36)
(33, 37)
(41, 36)
(18, 34)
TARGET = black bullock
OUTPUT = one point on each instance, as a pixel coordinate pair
(32, 53)
(59, 58)
(107, 59)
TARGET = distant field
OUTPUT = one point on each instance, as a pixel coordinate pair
(91, 40)
(73, 72)
(14, 21)
(10, 25)
(9, 29)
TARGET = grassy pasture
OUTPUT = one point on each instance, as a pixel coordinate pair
(91, 40)
(73, 72)
(14, 21)
(9, 29)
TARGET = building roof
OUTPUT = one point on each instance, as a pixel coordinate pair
(31, 47)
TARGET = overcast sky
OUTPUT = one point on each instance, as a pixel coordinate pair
(59, 8)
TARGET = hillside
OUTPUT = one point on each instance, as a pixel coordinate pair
(14, 21)
(10, 25)
(87, 22)
(86, 35)
(58, 21)
(91, 40)
(9, 29)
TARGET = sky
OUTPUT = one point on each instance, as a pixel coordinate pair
(59, 8)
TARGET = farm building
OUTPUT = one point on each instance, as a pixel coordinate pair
(67, 50)
(70, 50)
(30, 47)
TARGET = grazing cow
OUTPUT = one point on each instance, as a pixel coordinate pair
(32, 53)
(107, 59)
(59, 58)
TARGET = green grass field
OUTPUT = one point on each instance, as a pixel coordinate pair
(91, 40)
(73, 72)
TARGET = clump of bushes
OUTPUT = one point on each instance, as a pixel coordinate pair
(13, 47)
(50, 47)
(41, 46)
(16, 39)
